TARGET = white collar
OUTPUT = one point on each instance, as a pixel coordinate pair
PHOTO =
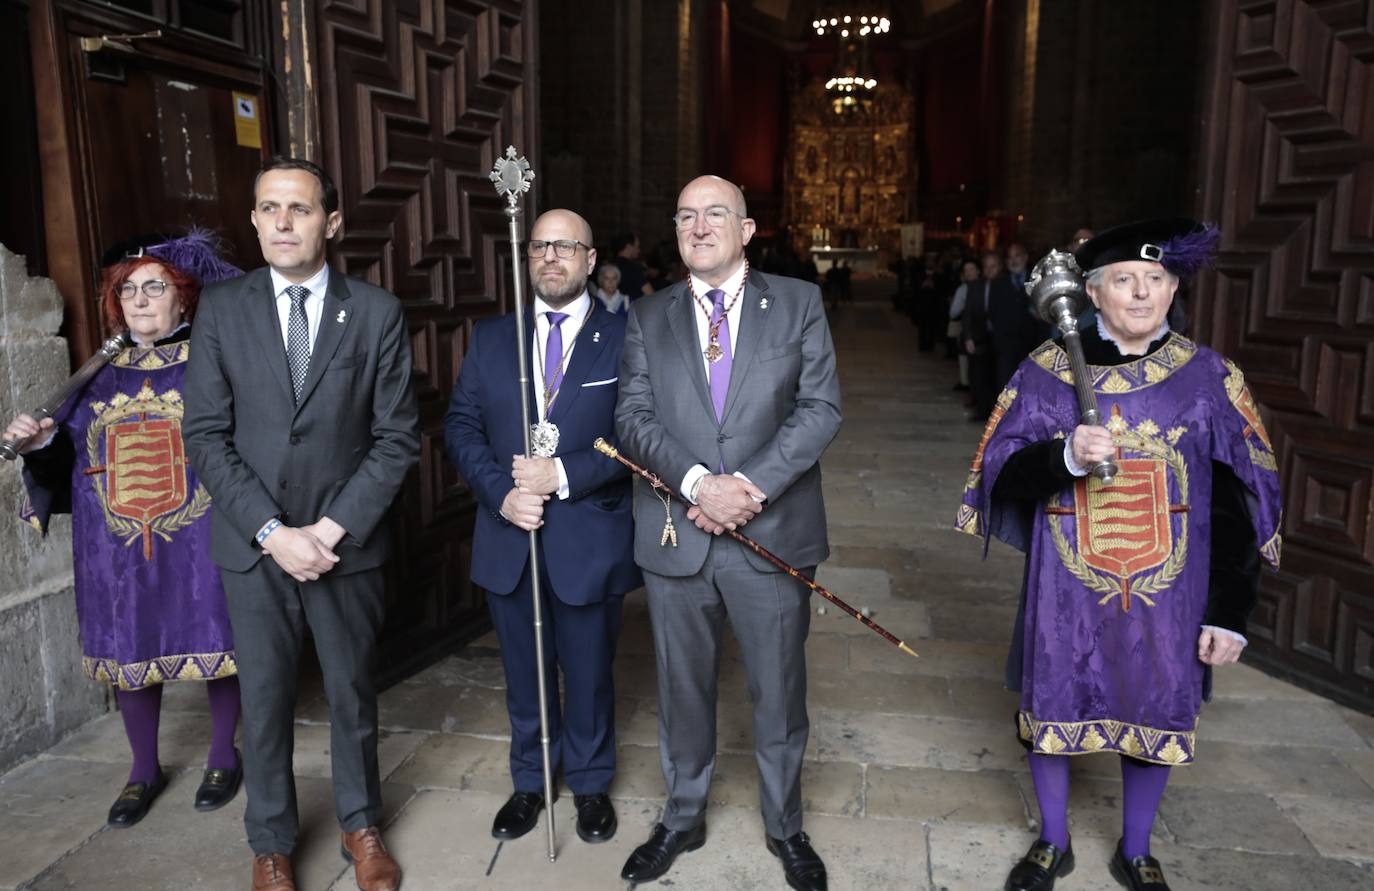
(1106, 335)
(575, 310)
(317, 283)
(730, 286)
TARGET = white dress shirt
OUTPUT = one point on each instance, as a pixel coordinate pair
(733, 315)
(314, 304)
(577, 312)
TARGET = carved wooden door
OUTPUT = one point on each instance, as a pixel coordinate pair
(1288, 173)
(418, 99)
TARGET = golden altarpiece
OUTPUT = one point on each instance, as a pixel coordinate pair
(850, 180)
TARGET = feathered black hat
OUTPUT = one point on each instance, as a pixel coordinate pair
(1180, 245)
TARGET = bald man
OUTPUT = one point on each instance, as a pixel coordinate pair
(728, 391)
(577, 498)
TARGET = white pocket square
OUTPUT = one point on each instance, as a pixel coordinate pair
(609, 380)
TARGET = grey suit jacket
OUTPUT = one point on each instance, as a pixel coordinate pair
(781, 411)
(343, 452)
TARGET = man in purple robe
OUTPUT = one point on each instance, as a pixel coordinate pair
(1134, 590)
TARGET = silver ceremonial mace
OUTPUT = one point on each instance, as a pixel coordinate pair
(9, 449)
(512, 177)
(1057, 290)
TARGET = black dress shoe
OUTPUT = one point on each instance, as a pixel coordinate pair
(219, 786)
(655, 857)
(1037, 870)
(133, 803)
(595, 818)
(517, 816)
(1138, 874)
(800, 863)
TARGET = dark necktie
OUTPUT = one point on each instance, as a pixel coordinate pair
(720, 369)
(297, 338)
(553, 357)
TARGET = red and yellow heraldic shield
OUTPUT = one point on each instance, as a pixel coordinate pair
(145, 463)
(1123, 529)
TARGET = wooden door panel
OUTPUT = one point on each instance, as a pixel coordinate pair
(1289, 174)
(418, 99)
(140, 142)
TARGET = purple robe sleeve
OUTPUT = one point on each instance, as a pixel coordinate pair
(1240, 442)
(1017, 420)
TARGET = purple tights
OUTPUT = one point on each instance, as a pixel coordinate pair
(141, 710)
(1050, 774)
(1142, 787)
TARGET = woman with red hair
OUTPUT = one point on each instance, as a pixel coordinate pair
(149, 602)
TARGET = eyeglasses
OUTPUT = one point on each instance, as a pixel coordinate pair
(152, 289)
(715, 217)
(565, 248)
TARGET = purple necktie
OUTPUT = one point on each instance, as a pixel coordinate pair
(720, 370)
(553, 357)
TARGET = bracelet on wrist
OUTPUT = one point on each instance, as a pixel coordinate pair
(267, 530)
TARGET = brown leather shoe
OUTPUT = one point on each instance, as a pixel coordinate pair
(272, 872)
(373, 867)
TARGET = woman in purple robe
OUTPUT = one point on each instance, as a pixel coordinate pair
(149, 602)
(1133, 591)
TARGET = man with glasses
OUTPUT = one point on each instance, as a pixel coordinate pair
(578, 499)
(728, 391)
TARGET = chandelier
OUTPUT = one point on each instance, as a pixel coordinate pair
(860, 25)
(852, 83)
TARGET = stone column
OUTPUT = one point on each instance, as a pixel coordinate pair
(43, 693)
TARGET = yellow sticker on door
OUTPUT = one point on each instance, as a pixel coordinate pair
(247, 126)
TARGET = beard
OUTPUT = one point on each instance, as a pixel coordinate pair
(556, 295)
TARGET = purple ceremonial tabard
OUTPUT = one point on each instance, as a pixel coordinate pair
(149, 601)
(1117, 576)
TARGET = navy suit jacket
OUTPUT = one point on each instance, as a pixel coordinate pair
(588, 539)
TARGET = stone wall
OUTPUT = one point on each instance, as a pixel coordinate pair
(620, 111)
(43, 693)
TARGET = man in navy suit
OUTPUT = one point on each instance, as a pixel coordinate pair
(579, 500)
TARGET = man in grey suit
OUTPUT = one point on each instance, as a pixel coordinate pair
(301, 421)
(728, 389)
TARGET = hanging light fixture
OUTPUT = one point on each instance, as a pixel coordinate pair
(851, 86)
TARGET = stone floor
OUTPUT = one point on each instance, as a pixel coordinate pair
(913, 779)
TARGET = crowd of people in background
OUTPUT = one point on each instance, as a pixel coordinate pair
(975, 307)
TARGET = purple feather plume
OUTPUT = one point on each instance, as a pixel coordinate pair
(1186, 255)
(198, 254)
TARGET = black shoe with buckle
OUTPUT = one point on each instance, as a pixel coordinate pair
(133, 803)
(1138, 873)
(802, 866)
(219, 786)
(595, 818)
(1037, 870)
(655, 857)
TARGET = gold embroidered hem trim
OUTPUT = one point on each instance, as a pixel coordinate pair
(1169, 747)
(1127, 377)
(162, 669)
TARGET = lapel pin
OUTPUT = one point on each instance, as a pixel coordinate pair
(341, 316)
(763, 303)
(596, 337)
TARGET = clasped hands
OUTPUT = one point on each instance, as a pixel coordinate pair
(725, 502)
(305, 552)
(536, 480)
